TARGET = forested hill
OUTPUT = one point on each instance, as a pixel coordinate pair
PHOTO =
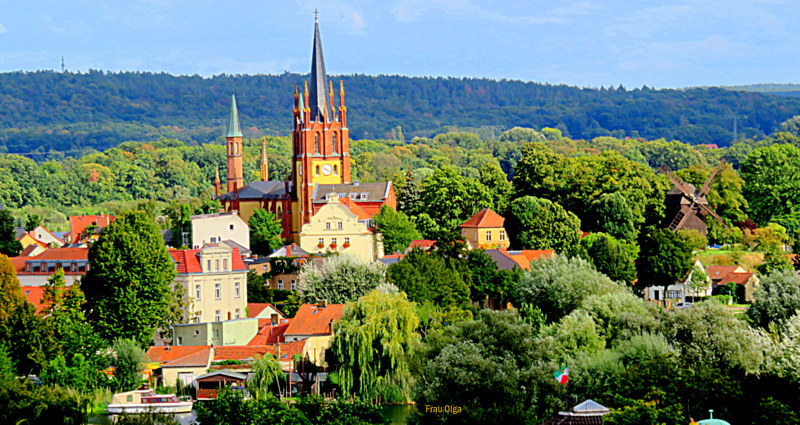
(43, 111)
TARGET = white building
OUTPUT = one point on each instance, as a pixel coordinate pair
(225, 228)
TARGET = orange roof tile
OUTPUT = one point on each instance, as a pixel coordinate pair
(355, 208)
(421, 243)
(250, 352)
(79, 223)
(522, 260)
(536, 254)
(254, 309)
(34, 296)
(188, 260)
(485, 218)
(269, 334)
(64, 254)
(737, 278)
(19, 263)
(179, 355)
(312, 319)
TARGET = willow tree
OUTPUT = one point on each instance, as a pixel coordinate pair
(373, 344)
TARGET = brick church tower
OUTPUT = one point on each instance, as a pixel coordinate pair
(320, 139)
(233, 143)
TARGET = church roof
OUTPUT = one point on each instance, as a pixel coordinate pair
(258, 190)
(234, 130)
(318, 90)
(359, 192)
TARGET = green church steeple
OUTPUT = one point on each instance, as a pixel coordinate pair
(233, 126)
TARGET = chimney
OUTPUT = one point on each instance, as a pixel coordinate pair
(356, 182)
(322, 303)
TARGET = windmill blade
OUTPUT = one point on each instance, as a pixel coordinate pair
(713, 214)
(680, 218)
(707, 184)
(684, 187)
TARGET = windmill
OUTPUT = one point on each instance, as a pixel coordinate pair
(687, 207)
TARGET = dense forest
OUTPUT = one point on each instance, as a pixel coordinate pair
(75, 112)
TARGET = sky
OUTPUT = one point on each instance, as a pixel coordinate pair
(591, 43)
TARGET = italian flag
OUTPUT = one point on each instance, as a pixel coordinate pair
(562, 375)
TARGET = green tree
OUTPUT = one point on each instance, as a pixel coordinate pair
(128, 360)
(397, 230)
(342, 278)
(373, 346)
(427, 277)
(33, 221)
(560, 285)
(770, 187)
(496, 182)
(614, 258)
(265, 232)
(128, 287)
(9, 245)
(665, 257)
(448, 200)
(537, 223)
(266, 376)
(776, 299)
(611, 214)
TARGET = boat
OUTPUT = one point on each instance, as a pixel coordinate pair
(147, 401)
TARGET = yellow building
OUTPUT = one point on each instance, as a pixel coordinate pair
(341, 226)
(485, 230)
(215, 281)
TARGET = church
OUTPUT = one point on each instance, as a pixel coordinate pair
(320, 161)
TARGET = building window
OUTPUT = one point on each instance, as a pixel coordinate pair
(335, 170)
(335, 144)
(333, 241)
(280, 284)
(197, 292)
(225, 264)
(237, 289)
(347, 241)
(231, 226)
(502, 235)
(316, 145)
(322, 241)
(196, 333)
(238, 314)
(180, 340)
(294, 285)
(208, 269)
(488, 235)
(364, 196)
(317, 169)
(217, 316)
(327, 225)
(216, 263)
(217, 291)
(339, 225)
(216, 332)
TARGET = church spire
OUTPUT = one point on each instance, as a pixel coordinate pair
(233, 126)
(319, 86)
(264, 163)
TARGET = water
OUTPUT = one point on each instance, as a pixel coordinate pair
(183, 418)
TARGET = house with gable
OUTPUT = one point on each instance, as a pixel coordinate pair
(485, 230)
(341, 225)
(746, 282)
(36, 270)
(184, 364)
(215, 281)
(313, 320)
(86, 228)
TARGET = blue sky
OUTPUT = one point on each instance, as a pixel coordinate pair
(667, 43)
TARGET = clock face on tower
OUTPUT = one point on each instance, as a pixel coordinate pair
(327, 169)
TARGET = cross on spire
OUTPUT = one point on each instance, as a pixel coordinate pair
(316, 15)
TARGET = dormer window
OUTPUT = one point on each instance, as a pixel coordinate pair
(364, 196)
(352, 196)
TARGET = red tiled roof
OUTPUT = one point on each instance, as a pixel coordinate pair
(421, 243)
(485, 218)
(719, 272)
(522, 260)
(19, 263)
(180, 355)
(737, 278)
(269, 334)
(32, 247)
(355, 208)
(34, 296)
(312, 319)
(536, 254)
(64, 254)
(254, 309)
(79, 223)
(188, 260)
(250, 352)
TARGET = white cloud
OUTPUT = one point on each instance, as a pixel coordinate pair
(3, 29)
(411, 10)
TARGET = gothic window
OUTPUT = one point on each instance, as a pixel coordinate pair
(335, 170)
(317, 170)
(335, 144)
(316, 143)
